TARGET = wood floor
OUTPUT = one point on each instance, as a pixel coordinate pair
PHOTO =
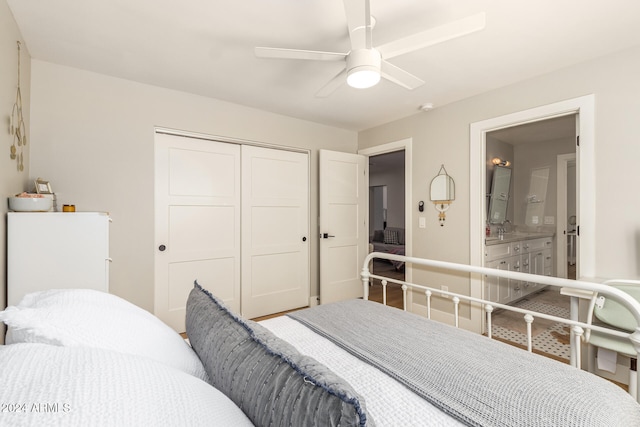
(394, 291)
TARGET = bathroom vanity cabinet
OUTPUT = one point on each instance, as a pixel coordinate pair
(530, 253)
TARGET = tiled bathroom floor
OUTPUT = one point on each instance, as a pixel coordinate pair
(553, 340)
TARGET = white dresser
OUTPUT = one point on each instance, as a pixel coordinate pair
(56, 250)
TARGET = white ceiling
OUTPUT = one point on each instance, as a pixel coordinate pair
(206, 47)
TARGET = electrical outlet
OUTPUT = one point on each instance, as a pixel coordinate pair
(446, 289)
(549, 220)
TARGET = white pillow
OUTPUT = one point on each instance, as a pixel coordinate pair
(90, 318)
(80, 386)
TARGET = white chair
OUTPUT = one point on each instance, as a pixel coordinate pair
(610, 313)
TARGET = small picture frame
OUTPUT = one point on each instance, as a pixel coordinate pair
(43, 187)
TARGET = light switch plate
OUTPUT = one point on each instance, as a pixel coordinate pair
(422, 223)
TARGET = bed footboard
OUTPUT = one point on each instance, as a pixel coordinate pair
(577, 327)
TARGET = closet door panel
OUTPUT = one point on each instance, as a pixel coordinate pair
(198, 232)
(197, 219)
(216, 274)
(275, 231)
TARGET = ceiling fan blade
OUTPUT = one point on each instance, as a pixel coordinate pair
(399, 76)
(359, 23)
(433, 36)
(333, 84)
(315, 55)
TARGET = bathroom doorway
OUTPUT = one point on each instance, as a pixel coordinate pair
(538, 199)
(584, 108)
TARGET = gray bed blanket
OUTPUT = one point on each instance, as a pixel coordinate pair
(479, 381)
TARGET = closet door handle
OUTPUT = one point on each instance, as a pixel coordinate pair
(162, 248)
(304, 239)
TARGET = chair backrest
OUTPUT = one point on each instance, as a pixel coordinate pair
(613, 313)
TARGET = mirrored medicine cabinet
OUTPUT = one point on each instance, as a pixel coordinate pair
(499, 196)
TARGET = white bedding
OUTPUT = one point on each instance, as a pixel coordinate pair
(389, 402)
(90, 318)
(47, 385)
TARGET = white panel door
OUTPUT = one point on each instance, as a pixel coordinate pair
(275, 231)
(343, 225)
(197, 213)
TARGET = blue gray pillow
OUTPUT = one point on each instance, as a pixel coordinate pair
(265, 376)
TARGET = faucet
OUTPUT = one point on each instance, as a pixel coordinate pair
(505, 227)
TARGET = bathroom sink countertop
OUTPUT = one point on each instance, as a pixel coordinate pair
(514, 237)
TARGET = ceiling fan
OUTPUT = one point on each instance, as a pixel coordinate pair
(364, 64)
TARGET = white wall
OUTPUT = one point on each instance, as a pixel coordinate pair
(93, 140)
(442, 136)
(536, 155)
(394, 180)
(11, 180)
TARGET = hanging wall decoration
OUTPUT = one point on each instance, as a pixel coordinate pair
(16, 125)
(443, 192)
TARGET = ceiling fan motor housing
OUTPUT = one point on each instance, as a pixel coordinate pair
(363, 68)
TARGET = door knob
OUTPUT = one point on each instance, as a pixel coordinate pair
(161, 248)
(327, 235)
(304, 239)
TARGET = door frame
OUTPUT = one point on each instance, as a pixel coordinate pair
(563, 161)
(390, 147)
(584, 107)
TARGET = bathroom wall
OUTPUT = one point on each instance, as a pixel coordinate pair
(531, 156)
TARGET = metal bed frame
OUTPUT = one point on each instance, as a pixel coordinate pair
(577, 327)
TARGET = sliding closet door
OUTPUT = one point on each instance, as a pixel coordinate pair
(197, 214)
(275, 231)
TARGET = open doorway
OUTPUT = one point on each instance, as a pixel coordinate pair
(584, 107)
(387, 229)
(395, 156)
(541, 192)
(377, 208)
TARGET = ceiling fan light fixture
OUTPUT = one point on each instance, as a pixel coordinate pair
(363, 77)
(363, 67)
(364, 64)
